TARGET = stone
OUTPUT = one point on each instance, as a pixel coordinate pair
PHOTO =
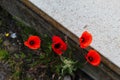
(67, 77)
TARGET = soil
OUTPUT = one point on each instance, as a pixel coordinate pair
(18, 62)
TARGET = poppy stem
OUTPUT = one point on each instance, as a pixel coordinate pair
(61, 58)
(53, 62)
(85, 63)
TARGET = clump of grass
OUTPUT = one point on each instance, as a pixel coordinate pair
(3, 54)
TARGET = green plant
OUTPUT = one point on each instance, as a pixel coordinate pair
(3, 54)
(68, 66)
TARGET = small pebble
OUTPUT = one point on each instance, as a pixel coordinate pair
(13, 43)
(67, 77)
(6, 43)
(13, 35)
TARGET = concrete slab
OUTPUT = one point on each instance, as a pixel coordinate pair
(99, 17)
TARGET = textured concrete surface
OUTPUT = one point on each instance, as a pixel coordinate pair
(99, 17)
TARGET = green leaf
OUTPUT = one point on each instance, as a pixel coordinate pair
(50, 48)
(23, 55)
(16, 75)
(16, 56)
(68, 66)
(42, 56)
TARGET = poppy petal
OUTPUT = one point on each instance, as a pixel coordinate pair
(85, 39)
(56, 39)
(61, 45)
(33, 42)
(95, 58)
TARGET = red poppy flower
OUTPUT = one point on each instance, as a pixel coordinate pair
(85, 39)
(33, 42)
(93, 58)
(58, 45)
